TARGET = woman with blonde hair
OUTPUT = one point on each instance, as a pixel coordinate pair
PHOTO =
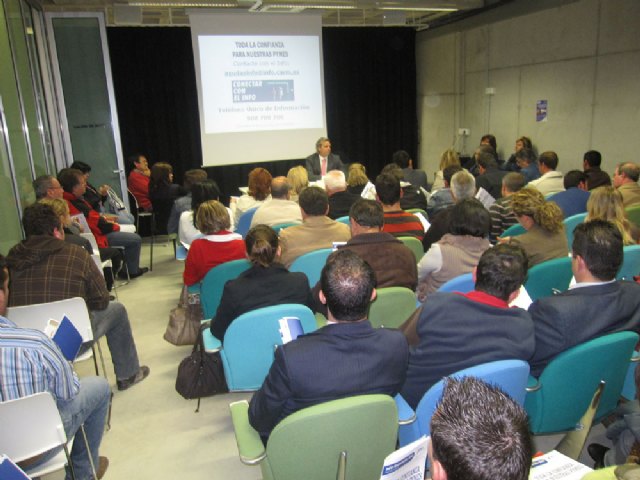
(218, 245)
(269, 282)
(357, 180)
(545, 238)
(449, 157)
(298, 178)
(259, 191)
(605, 203)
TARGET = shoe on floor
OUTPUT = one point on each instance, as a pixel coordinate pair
(131, 381)
(597, 452)
(102, 467)
(141, 271)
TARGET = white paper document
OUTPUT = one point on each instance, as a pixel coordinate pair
(408, 462)
(556, 466)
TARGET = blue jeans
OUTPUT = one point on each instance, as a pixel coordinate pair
(131, 243)
(113, 322)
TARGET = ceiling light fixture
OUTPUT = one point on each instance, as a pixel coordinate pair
(420, 9)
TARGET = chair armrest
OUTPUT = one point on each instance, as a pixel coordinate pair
(406, 415)
(250, 446)
(533, 385)
(211, 343)
(635, 357)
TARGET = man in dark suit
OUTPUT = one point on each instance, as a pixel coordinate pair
(340, 200)
(416, 178)
(490, 177)
(319, 163)
(344, 358)
(595, 306)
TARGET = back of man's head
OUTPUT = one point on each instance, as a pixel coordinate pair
(593, 158)
(69, 178)
(401, 158)
(463, 185)
(501, 270)
(367, 213)
(549, 159)
(40, 219)
(393, 169)
(314, 201)
(449, 172)
(41, 185)
(513, 182)
(193, 176)
(388, 188)
(478, 433)
(599, 243)
(526, 155)
(573, 178)
(630, 170)
(347, 282)
(335, 181)
(280, 188)
(486, 160)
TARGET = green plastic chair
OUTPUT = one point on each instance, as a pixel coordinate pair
(414, 245)
(631, 263)
(570, 223)
(633, 214)
(346, 439)
(549, 278)
(213, 284)
(513, 231)
(419, 210)
(392, 306)
(557, 401)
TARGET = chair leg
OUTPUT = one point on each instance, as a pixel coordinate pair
(86, 444)
(341, 474)
(95, 359)
(68, 455)
(104, 369)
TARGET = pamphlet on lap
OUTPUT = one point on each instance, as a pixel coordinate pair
(66, 336)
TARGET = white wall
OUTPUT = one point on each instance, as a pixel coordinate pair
(582, 57)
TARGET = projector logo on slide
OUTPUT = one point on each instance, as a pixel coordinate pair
(262, 91)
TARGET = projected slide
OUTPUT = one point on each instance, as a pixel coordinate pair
(260, 82)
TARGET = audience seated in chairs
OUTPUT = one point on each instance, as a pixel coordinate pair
(411, 196)
(200, 192)
(591, 166)
(605, 203)
(397, 222)
(502, 216)
(183, 204)
(358, 182)
(259, 192)
(340, 199)
(138, 181)
(545, 238)
(551, 180)
(279, 209)
(266, 283)
(298, 180)
(449, 157)
(575, 196)
(163, 192)
(219, 245)
(458, 251)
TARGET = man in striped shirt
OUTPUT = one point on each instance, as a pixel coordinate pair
(31, 363)
(397, 222)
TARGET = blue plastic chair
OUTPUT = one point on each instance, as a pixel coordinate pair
(629, 388)
(549, 278)
(570, 223)
(630, 264)
(462, 283)
(560, 397)
(344, 220)
(510, 375)
(244, 222)
(213, 284)
(250, 341)
(513, 231)
(311, 264)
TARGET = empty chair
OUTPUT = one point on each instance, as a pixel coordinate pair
(630, 264)
(392, 306)
(244, 222)
(346, 439)
(414, 245)
(570, 223)
(213, 284)
(510, 375)
(311, 264)
(463, 284)
(548, 278)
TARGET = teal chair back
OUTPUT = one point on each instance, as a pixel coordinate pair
(462, 283)
(311, 264)
(250, 341)
(244, 222)
(570, 223)
(513, 231)
(392, 306)
(548, 278)
(633, 214)
(566, 387)
(631, 263)
(344, 220)
(281, 226)
(308, 444)
(414, 245)
(510, 375)
(213, 284)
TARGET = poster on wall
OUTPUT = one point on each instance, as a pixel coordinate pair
(541, 111)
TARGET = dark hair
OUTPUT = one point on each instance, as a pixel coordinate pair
(41, 185)
(401, 158)
(3, 270)
(486, 160)
(83, 167)
(479, 432)
(314, 201)
(280, 187)
(501, 270)
(133, 159)
(492, 141)
(259, 183)
(526, 142)
(485, 149)
(393, 169)
(469, 217)
(599, 243)
(347, 282)
(593, 158)
(449, 172)
(262, 244)
(573, 178)
(69, 178)
(550, 159)
(526, 154)
(193, 176)
(203, 192)
(514, 181)
(388, 188)
(160, 175)
(367, 213)
(40, 219)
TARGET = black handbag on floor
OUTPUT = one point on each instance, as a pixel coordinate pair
(201, 374)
